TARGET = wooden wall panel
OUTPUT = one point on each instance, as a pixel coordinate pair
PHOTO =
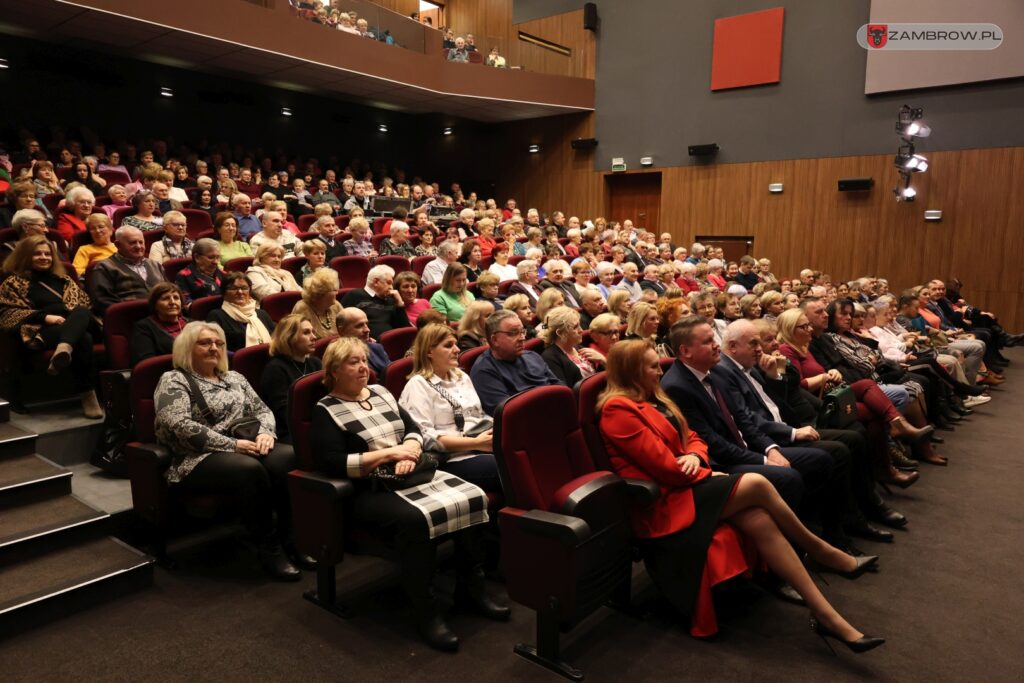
(403, 7)
(491, 20)
(812, 224)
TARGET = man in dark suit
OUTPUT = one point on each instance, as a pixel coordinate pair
(734, 443)
(741, 356)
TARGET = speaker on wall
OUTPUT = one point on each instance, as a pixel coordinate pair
(856, 184)
(703, 150)
(590, 16)
(584, 143)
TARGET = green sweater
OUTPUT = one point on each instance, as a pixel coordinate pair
(451, 306)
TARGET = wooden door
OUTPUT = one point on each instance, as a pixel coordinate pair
(636, 196)
(732, 247)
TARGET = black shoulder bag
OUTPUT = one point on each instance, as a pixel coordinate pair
(246, 428)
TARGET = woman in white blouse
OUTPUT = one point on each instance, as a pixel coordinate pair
(501, 266)
(444, 404)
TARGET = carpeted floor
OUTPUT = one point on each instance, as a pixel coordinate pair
(947, 599)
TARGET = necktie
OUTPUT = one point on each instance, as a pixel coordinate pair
(726, 415)
(765, 398)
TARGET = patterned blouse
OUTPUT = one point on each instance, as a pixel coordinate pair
(142, 224)
(180, 428)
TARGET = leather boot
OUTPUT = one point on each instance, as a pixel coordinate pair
(925, 451)
(432, 628)
(904, 431)
(275, 562)
(471, 593)
(91, 405)
(899, 459)
(60, 359)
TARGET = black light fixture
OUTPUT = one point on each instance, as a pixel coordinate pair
(908, 162)
(703, 150)
(166, 92)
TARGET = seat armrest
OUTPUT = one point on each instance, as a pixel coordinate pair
(333, 488)
(642, 491)
(566, 530)
(148, 455)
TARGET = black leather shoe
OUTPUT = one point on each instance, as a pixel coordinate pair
(472, 594)
(276, 563)
(436, 633)
(937, 439)
(300, 559)
(783, 591)
(859, 646)
(883, 514)
(862, 529)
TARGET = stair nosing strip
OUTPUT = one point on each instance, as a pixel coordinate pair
(82, 584)
(47, 532)
(58, 475)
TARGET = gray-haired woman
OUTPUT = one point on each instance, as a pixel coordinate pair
(199, 409)
(204, 276)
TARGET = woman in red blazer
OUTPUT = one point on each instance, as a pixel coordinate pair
(706, 527)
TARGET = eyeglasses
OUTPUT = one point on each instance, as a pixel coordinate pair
(607, 333)
(521, 332)
(207, 343)
(177, 225)
(236, 289)
(805, 326)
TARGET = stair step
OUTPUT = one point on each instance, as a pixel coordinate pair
(29, 519)
(33, 471)
(5, 411)
(15, 441)
(66, 569)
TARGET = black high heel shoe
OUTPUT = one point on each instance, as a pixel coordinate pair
(859, 646)
(865, 563)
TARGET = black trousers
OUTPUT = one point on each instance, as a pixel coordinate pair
(260, 484)
(74, 331)
(406, 527)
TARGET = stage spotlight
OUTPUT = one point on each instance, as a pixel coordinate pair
(909, 125)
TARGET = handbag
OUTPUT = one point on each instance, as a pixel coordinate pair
(460, 420)
(244, 428)
(384, 476)
(838, 408)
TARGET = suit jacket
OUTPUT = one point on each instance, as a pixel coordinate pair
(829, 357)
(654, 285)
(705, 417)
(740, 394)
(566, 287)
(112, 281)
(643, 444)
(798, 406)
(518, 288)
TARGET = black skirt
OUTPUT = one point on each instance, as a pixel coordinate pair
(676, 562)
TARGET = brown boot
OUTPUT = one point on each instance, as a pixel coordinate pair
(60, 359)
(925, 452)
(91, 406)
(903, 430)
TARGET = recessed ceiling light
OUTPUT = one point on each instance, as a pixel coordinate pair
(447, 131)
(285, 111)
(534, 149)
(166, 92)
(383, 128)
(4, 64)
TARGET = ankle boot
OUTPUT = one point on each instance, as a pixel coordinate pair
(899, 459)
(471, 592)
(91, 405)
(60, 359)
(925, 451)
(903, 430)
(432, 628)
(275, 562)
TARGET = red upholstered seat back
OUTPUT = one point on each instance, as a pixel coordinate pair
(539, 446)
(238, 265)
(294, 264)
(420, 262)
(280, 304)
(467, 358)
(306, 221)
(352, 270)
(201, 307)
(145, 376)
(117, 330)
(197, 221)
(399, 264)
(250, 361)
(305, 393)
(397, 341)
(395, 378)
(587, 393)
(174, 266)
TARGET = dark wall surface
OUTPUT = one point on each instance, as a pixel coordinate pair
(528, 10)
(654, 97)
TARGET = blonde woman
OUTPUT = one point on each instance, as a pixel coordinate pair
(267, 276)
(319, 303)
(549, 300)
(562, 336)
(642, 322)
(520, 305)
(443, 402)
(620, 302)
(471, 327)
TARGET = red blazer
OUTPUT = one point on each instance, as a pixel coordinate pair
(68, 225)
(643, 444)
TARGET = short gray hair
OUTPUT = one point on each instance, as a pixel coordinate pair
(235, 198)
(495, 319)
(123, 231)
(379, 273)
(524, 266)
(399, 226)
(23, 215)
(75, 193)
(448, 247)
(204, 246)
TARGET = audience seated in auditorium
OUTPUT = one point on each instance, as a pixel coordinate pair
(473, 325)
(648, 438)
(47, 309)
(126, 275)
(319, 304)
(443, 402)
(352, 322)
(175, 243)
(291, 357)
(102, 245)
(363, 434)
(266, 274)
(198, 406)
(408, 285)
(506, 368)
(79, 202)
(225, 229)
(273, 232)
(447, 253)
(382, 303)
(203, 277)
(454, 295)
(45, 179)
(154, 335)
(145, 217)
(397, 242)
(562, 336)
(359, 244)
(248, 224)
(243, 321)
